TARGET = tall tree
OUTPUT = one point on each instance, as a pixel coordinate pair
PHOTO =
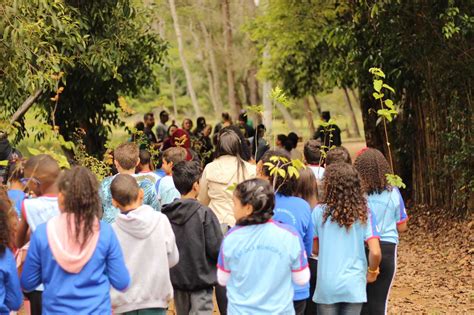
(229, 59)
(187, 72)
(355, 125)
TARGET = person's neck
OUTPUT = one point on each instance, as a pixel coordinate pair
(126, 172)
(50, 191)
(130, 207)
(145, 169)
(16, 186)
(189, 195)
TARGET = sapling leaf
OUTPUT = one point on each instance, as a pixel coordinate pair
(293, 172)
(377, 95)
(284, 159)
(282, 172)
(273, 171)
(377, 72)
(395, 180)
(4, 163)
(274, 158)
(378, 85)
(389, 104)
(232, 187)
(388, 87)
(269, 165)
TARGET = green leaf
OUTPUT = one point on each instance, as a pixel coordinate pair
(377, 72)
(232, 187)
(395, 180)
(4, 163)
(378, 85)
(385, 113)
(293, 172)
(388, 87)
(389, 104)
(377, 95)
(281, 172)
(284, 159)
(34, 151)
(273, 171)
(274, 158)
(269, 165)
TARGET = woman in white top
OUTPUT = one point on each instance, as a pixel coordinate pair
(226, 171)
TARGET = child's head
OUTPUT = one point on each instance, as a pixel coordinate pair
(372, 167)
(145, 161)
(254, 201)
(280, 141)
(338, 155)
(41, 172)
(285, 186)
(171, 157)
(343, 196)
(186, 176)
(312, 152)
(79, 196)
(307, 187)
(16, 172)
(125, 192)
(126, 156)
(293, 137)
(229, 142)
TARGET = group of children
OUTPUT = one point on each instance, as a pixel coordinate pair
(145, 237)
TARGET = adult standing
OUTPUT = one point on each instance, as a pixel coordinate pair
(162, 128)
(324, 134)
(7, 153)
(149, 121)
(219, 176)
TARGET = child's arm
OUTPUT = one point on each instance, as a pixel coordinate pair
(316, 246)
(375, 256)
(31, 275)
(300, 273)
(223, 271)
(116, 270)
(13, 294)
(212, 235)
(309, 236)
(401, 215)
(21, 233)
(171, 248)
(203, 190)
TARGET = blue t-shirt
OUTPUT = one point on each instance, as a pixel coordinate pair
(389, 210)
(260, 259)
(11, 296)
(296, 212)
(17, 196)
(166, 191)
(87, 292)
(342, 263)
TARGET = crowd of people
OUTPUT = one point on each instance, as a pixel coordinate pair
(210, 217)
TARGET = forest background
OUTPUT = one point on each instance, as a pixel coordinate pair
(99, 65)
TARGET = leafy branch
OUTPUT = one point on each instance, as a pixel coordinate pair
(280, 166)
(386, 113)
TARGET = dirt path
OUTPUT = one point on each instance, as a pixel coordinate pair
(434, 273)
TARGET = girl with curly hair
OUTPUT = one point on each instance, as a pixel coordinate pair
(343, 224)
(260, 258)
(389, 209)
(11, 296)
(76, 256)
(290, 209)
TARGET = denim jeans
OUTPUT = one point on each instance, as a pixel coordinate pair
(340, 309)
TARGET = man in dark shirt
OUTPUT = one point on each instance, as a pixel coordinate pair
(324, 134)
(149, 120)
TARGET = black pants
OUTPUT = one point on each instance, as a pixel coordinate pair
(300, 307)
(311, 308)
(221, 298)
(36, 303)
(377, 292)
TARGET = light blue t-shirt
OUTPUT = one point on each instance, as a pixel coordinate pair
(389, 210)
(260, 259)
(167, 192)
(296, 212)
(342, 264)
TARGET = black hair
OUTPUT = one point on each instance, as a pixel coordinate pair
(81, 198)
(286, 186)
(326, 115)
(124, 189)
(293, 137)
(229, 143)
(259, 194)
(140, 126)
(163, 113)
(185, 174)
(226, 116)
(148, 115)
(288, 145)
(200, 125)
(312, 151)
(171, 126)
(245, 153)
(243, 117)
(282, 138)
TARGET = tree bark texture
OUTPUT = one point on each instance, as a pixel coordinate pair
(309, 115)
(355, 125)
(184, 63)
(21, 111)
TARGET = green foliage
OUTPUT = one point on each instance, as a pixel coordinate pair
(280, 166)
(395, 180)
(61, 159)
(104, 48)
(100, 168)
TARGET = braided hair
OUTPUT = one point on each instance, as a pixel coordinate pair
(259, 194)
(81, 198)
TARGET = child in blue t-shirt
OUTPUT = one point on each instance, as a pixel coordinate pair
(76, 256)
(260, 259)
(166, 191)
(11, 296)
(293, 211)
(16, 189)
(389, 210)
(342, 224)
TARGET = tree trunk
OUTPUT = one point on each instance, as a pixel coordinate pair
(317, 104)
(252, 84)
(309, 115)
(20, 112)
(187, 73)
(173, 94)
(355, 96)
(355, 126)
(229, 58)
(286, 116)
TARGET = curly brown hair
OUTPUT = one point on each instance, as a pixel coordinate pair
(8, 221)
(372, 167)
(344, 199)
(81, 197)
